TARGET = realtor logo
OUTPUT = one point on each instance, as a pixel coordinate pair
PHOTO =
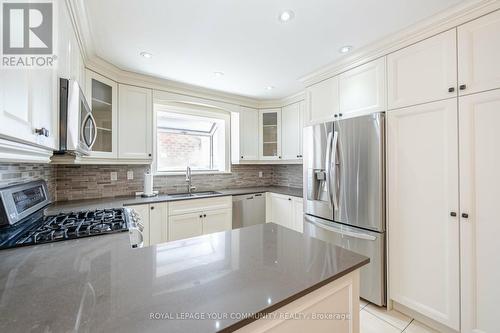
(27, 30)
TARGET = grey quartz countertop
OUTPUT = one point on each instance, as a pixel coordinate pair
(117, 202)
(101, 284)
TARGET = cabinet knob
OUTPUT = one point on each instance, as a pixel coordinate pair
(340, 114)
(242, 156)
(152, 207)
(465, 215)
(279, 156)
(204, 215)
(201, 216)
(335, 115)
(451, 89)
(463, 87)
(453, 214)
(289, 199)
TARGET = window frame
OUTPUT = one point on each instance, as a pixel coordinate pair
(200, 111)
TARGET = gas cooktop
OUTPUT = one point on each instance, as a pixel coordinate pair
(22, 221)
(75, 225)
(68, 226)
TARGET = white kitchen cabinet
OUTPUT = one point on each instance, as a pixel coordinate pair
(362, 90)
(285, 210)
(291, 131)
(270, 134)
(135, 122)
(29, 105)
(158, 223)
(423, 239)
(70, 63)
(195, 217)
(102, 96)
(185, 226)
(44, 106)
(322, 100)
(217, 220)
(479, 193)
(478, 54)
(249, 129)
(16, 116)
(423, 72)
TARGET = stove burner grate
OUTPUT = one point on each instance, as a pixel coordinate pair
(76, 225)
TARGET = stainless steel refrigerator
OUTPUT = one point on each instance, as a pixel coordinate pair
(344, 192)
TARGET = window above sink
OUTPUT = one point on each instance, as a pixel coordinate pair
(194, 137)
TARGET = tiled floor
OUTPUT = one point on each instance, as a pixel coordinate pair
(374, 319)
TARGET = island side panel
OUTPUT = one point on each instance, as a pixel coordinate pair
(338, 297)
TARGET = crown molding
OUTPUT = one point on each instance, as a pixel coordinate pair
(429, 27)
(295, 98)
(446, 20)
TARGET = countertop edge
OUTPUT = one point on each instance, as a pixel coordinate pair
(244, 322)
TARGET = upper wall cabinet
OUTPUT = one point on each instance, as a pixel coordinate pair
(69, 58)
(135, 123)
(322, 101)
(478, 54)
(270, 134)
(291, 131)
(423, 72)
(102, 97)
(249, 129)
(362, 89)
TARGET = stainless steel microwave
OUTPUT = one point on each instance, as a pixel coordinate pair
(77, 125)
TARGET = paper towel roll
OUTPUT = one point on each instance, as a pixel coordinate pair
(148, 184)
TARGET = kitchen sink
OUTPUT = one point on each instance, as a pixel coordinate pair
(193, 195)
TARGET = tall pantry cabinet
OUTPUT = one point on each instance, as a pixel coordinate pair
(443, 179)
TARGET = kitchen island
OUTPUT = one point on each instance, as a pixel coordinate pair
(224, 281)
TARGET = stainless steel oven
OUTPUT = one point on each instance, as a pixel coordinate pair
(17, 202)
(77, 127)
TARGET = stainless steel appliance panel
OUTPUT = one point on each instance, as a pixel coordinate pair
(367, 243)
(318, 178)
(249, 210)
(77, 125)
(360, 172)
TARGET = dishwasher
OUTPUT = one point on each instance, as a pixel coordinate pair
(249, 210)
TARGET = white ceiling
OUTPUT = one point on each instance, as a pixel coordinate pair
(190, 39)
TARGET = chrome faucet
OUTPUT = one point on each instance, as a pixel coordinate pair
(189, 180)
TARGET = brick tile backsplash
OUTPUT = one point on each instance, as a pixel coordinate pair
(74, 182)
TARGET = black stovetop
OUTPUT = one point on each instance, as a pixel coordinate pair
(64, 226)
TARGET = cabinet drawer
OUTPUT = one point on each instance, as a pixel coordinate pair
(197, 205)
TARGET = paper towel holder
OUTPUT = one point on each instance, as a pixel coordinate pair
(148, 177)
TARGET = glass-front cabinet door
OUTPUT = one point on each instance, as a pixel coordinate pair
(270, 134)
(102, 97)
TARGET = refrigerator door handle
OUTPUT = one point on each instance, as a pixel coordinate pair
(352, 234)
(334, 166)
(328, 167)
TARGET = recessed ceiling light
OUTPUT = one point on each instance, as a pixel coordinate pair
(286, 16)
(270, 87)
(146, 55)
(218, 74)
(345, 49)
